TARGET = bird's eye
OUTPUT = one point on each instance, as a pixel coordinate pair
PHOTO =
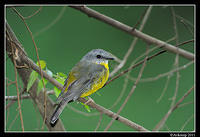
(98, 56)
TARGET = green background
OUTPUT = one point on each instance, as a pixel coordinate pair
(73, 34)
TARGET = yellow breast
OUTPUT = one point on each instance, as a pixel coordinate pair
(100, 82)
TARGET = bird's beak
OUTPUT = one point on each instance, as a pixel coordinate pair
(109, 58)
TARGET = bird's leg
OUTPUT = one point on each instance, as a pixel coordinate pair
(89, 100)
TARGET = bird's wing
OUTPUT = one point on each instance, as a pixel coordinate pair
(63, 89)
(76, 72)
(86, 74)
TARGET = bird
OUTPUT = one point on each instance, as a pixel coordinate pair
(86, 77)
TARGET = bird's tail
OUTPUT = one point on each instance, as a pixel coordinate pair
(57, 113)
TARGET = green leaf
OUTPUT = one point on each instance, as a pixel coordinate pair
(40, 85)
(62, 74)
(33, 76)
(42, 64)
(98, 93)
(57, 91)
(62, 81)
(86, 107)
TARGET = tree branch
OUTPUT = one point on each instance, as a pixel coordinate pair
(134, 32)
(114, 115)
(14, 98)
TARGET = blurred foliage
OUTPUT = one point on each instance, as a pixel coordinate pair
(63, 35)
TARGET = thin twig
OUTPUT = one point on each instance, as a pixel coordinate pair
(60, 14)
(121, 93)
(14, 98)
(145, 13)
(13, 121)
(38, 59)
(12, 82)
(150, 50)
(164, 119)
(176, 62)
(150, 79)
(36, 12)
(99, 122)
(185, 20)
(7, 93)
(186, 122)
(82, 112)
(37, 116)
(167, 127)
(132, 90)
(165, 88)
(18, 98)
(13, 101)
(187, 27)
(184, 104)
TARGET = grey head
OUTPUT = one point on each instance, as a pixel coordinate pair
(98, 56)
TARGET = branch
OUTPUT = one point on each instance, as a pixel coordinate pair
(13, 101)
(14, 98)
(114, 115)
(163, 120)
(134, 32)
